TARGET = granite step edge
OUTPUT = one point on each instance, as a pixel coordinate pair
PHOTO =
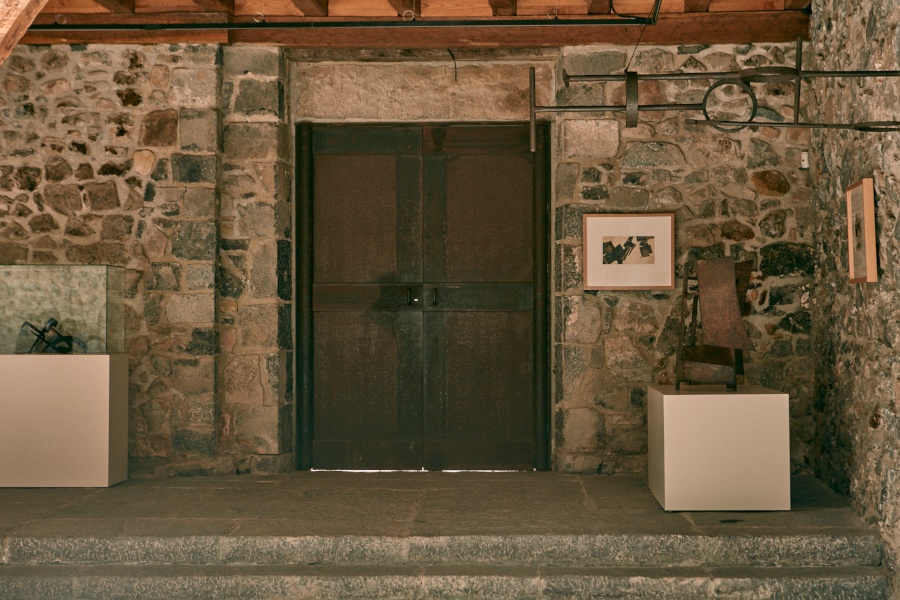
(323, 582)
(574, 550)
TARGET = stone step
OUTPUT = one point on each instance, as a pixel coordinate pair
(109, 582)
(606, 550)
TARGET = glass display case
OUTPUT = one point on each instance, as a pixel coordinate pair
(85, 301)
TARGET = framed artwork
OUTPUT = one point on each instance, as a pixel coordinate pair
(861, 231)
(629, 252)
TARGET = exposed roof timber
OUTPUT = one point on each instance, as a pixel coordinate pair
(403, 7)
(598, 7)
(15, 18)
(503, 8)
(696, 5)
(312, 8)
(708, 28)
(133, 36)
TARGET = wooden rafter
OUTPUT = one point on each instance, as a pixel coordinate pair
(672, 28)
(63, 7)
(15, 18)
(503, 8)
(403, 6)
(598, 7)
(211, 36)
(312, 8)
(696, 5)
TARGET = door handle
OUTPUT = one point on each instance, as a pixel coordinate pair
(434, 296)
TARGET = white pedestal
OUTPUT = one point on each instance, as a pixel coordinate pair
(63, 420)
(712, 449)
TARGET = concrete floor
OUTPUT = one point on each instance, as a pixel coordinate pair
(399, 505)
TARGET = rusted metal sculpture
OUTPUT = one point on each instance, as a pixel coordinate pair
(715, 308)
(48, 339)
(741, 80)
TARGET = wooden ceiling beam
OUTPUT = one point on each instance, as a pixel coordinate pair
(16, 17)
(671, 29)
(503, 8)
(598, 7)
(64, 7)
(403, 6)
(130, 37)
(696, 5)
(312, 8)
(181, 6)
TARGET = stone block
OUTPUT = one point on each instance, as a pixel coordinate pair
(581, 320)
(581, 430)
(194, 168)
(163, 276)
(283, 269)
(191, 308)
(63, 198)
(194, 88)
(243, 380)
(590, 138)
(651, 154)
(256, 429)
(258, 326)
(199, 276)
(250, 60)
(198, 130)
(635, 317)
(194, 376)
(568, 268)
(263, 273)
(255, 141)
(770, 183)
(256, 219)
(417, 92)
(159, 128)
(621, 353)
(101, 253)
(194, 240)
(255, 98)
(593, 63)
(204, 341)
(200, 203)
(194, 441)
(787, 259)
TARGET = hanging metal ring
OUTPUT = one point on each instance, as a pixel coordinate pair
(412, 15)
(746, 89)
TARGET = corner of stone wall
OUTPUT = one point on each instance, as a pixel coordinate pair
(256, 421)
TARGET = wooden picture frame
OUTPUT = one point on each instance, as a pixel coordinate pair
(629, 251)
(862, 255)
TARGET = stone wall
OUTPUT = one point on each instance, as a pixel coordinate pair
(115, 155)
(857, 326)
(176, 162)
(735, 194)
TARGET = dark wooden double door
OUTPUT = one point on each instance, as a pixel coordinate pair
(427, 322)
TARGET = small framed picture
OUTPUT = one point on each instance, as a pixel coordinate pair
(629, 252)
(861, 231)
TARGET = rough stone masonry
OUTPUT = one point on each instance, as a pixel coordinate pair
(175, 161)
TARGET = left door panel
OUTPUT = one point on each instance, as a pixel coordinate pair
(366, 314)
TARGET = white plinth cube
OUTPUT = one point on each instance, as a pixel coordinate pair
(713, 449)
(63, 420)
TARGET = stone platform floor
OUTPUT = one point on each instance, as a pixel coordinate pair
(400, 505)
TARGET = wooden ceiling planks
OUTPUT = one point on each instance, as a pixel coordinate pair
(681, 21)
